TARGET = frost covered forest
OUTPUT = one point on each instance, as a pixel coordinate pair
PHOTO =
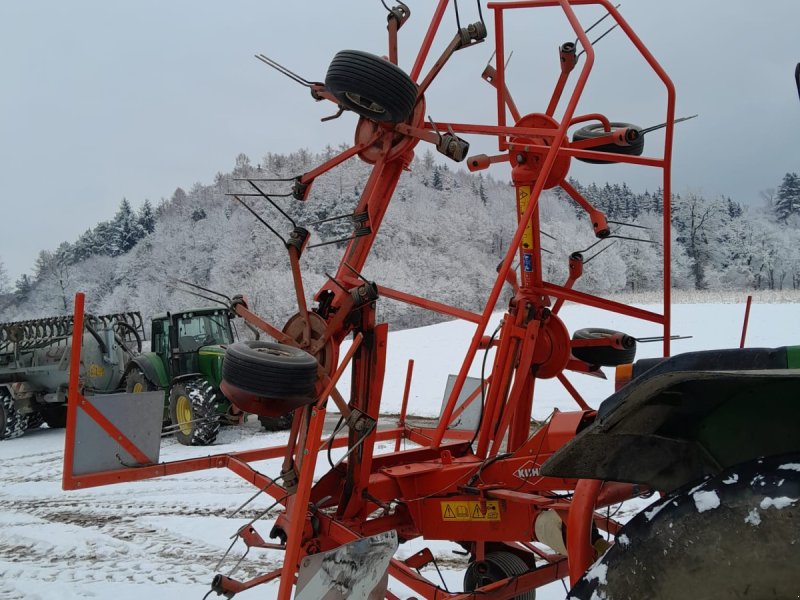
(444, 234)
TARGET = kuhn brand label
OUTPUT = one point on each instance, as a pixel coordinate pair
(527, 471)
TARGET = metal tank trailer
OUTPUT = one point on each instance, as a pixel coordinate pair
(34, 365)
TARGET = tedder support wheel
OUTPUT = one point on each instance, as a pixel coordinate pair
(634, 148)
(496, 565)
(277, 423)
(735, 535)
(193, 410)
(371, 86)
(137, 382)
(603, 356)
(270, 369)
(12, 424)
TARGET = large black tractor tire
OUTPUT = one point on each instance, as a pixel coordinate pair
(12, 423)
(35, 421)
(603, 356)
(590, 132)
(270, 370)
(496, 565)
(371, 86)
(193, 412)
(736, 535)
(137, 382)
(281, 423)
(55, 416)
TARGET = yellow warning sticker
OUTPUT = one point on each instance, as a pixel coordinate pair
(471, 511)
(96, 371)
(523, 197)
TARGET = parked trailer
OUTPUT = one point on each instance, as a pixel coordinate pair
(34, 365)
(715, 434)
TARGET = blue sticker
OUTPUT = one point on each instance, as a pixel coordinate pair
(527, 263)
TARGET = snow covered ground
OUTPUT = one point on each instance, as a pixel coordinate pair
(162, 539)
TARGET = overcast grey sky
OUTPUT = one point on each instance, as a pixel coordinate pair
(104, 100)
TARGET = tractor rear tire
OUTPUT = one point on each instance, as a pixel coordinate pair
(270, 370)
(137, 382)
(497, 565)
(371, 86)
(12, 423)
(602, 356)
(735, 535)
(635, 148)
(193, 410)
(281, 423)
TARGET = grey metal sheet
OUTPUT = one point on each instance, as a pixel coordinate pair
(354, 571)
(137, 416)
(467, 420)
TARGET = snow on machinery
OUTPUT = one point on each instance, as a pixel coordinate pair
(34, 365)
(525, 507)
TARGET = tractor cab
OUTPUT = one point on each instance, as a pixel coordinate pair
(178, 338)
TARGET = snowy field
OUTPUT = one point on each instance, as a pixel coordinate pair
(162, 539)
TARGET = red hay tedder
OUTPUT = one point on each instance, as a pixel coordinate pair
(524, 506)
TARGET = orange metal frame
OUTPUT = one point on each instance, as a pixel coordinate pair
(410, 490)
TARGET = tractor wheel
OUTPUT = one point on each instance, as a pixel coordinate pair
(55, 416)
(281, 423)
(735, 535)
(602, 356)
(496, 565)
(371, 86)
(635, 148)
(270, 370)
(193, 410)
(12, 424)
(137, 382)
(35, 420)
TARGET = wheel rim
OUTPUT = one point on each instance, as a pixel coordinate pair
(365, 103)
(138, 388)
(183, 414)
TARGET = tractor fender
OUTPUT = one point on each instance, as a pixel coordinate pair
(152, 366)
(688, 417)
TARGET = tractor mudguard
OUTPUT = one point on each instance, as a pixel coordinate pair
(689, 416)
(153, 367)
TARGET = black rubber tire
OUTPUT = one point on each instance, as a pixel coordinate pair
(270, 370)
(602, 356)
(137, 382)
(596, 130)
(281, 423)
(735, 535)
(12, 423)
(55, 416)
(197, 400)
(498, 565)
(35, 421)
(371, 86)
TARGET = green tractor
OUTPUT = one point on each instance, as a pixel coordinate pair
(188, 348)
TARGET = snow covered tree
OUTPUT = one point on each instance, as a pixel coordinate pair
(147, 218)
(22, 288)
(787, 199)
(125, 229)
(4, 282)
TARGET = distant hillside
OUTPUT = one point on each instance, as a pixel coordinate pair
(444, 234)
